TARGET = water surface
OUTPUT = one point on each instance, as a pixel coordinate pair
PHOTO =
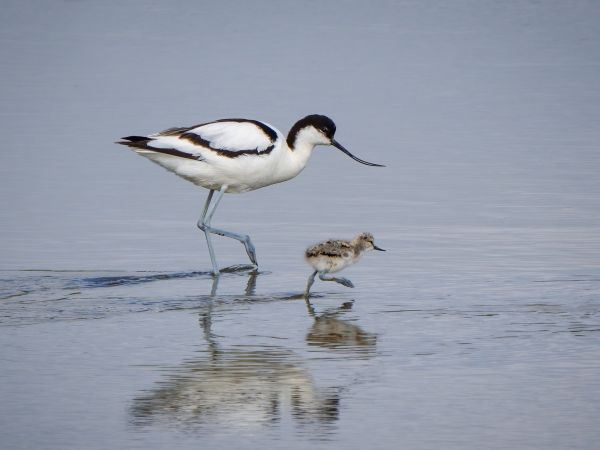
(478, 328)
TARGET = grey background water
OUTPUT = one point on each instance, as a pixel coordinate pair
(479, 328)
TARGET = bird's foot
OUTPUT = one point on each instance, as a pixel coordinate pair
(344, 281)
(250, 250)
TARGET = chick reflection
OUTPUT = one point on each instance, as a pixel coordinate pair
(330, 332)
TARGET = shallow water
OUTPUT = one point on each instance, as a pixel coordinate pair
(478, 328)
(170, 358)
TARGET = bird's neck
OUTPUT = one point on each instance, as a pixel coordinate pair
(295, 159)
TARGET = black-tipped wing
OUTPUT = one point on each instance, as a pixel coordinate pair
(228, 137)
(142, 144)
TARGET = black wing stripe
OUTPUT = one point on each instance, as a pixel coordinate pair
(269, 132)
(199, 140)
(172, 151)
(175, 131)
(142, 143)
(134, 139)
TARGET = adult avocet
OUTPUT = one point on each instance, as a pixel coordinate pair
(234, 156)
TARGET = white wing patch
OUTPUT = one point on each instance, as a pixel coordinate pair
(233, 136)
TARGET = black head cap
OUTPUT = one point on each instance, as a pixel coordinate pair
(320, 122)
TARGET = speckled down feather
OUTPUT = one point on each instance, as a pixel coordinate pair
(331, 247)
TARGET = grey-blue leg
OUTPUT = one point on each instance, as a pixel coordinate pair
(344, 281)
(243, 238)
(311, 280)
(204, 225)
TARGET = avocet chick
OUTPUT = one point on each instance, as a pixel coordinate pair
(336, 254)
